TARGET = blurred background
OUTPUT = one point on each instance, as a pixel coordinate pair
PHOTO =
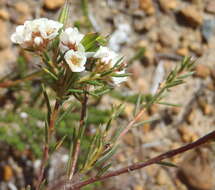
(153, 35)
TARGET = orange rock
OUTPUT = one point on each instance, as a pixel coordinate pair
(192, 15)
(147, 6)
(8, 173)
(53, 4)
(202, 71)
(182, 51)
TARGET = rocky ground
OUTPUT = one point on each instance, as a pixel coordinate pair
(168, 29)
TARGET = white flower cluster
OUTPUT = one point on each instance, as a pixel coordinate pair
(38, 33)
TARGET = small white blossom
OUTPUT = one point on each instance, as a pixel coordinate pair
(76, 60)
(110, 58)
(21, 35)
(70, 39)
(107, 56)
(36, 32)
(49, 29)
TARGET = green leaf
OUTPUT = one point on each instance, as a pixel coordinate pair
(95, 82)
(103, 170)
(59, 143)
(65, 113)
(92, 42)
(169, 104)
(76, 91)
(141, 123)
(50, 73)
(120, 75)
(46, 132)
(101, 91)
(186, 75)
(47, 102)
(64, 13)
(106, 157)
(169, 164)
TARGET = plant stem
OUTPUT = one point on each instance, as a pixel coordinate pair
(9, 83)
(136, 166)
(53, 116)
(46, 147)
(78, 143)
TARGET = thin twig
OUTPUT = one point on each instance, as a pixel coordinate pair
(9, 83)
(74, 159)
(140, 165)
(54, 116)
(154, 160)
(132, 122)
(78, 143)
(46, 147)
(43, 166)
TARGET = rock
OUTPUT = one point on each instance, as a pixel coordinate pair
(162, 178)
(53, 4)
(120, 36)
(211, 86)
(206, 108)
(138, 187)
(196, 171)
(142, 25)
(196, 48)
(210, 7)
(7, 58)
(182, 51)
(22, 13)
(4, 38)
(8, 173)
(168, 37)
(4, 14)
(167, 5)
(192, 16)
(187, 134)
(120, 157)
(202, 71)
(148, 58)
(2, 2)
(208, 29)
(190, 116)
(147, 6)
(22, 7)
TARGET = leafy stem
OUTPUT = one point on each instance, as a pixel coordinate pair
(136, 166)
(79, 137)
(51, 122)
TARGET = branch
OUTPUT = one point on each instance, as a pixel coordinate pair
(78, 143)
(9, 83)
(140, 165)
(46, 147)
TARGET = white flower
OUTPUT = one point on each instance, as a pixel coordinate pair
(110, 58)
(107, 56)
(76, 60)
(49, 29)
(118, 80)
(70, 39)
(21, 35)
(36, 32)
